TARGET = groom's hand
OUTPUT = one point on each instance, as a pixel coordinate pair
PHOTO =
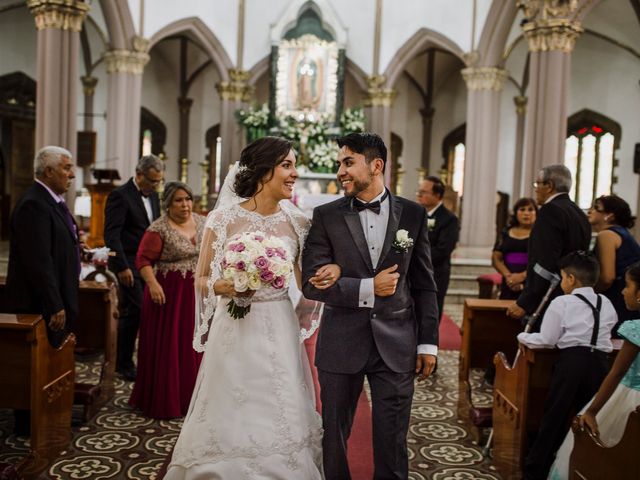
(384, 283)
(424, 366)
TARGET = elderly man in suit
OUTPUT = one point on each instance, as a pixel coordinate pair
(444, 229)
(380, 317)
(561, 227)
(44, 253)
(130, 209)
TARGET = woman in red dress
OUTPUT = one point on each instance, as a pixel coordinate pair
(167, 257)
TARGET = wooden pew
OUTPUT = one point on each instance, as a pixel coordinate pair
(37, 377)
(486, 330)
(519, 392)
(96, 329)
(592, 460)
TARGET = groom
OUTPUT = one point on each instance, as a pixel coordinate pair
(380, 317)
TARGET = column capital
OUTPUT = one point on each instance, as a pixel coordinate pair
(184, 104)
(58, 14)
(377, 95)
(237, 89)
(89, 85)
(485, 78)
(521, 104)
(125, 61)
(550, 24)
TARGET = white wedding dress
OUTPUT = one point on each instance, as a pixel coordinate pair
(252, 414)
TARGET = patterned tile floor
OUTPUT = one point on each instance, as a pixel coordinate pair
(119, 443)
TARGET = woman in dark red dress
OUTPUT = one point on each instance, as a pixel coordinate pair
(167, 258)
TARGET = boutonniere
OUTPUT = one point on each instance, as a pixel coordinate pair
(402, 242)
(431, 223)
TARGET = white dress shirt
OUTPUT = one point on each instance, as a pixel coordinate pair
(568, 322)
(374, 227)
(146, 201)
(433, 210)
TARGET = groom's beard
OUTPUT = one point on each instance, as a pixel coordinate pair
(360, 186)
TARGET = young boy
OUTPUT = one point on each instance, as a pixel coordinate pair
(579, 323)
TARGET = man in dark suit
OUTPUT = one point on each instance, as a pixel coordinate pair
(561, 227)
(130, 209)
(44, 255)
(380, 317)
(444, 229)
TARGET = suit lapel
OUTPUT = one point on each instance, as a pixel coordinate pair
(395, 211)
(352, 219)
(58, 211)
(137, 199)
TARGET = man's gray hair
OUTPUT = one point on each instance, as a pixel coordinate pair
(559, 175)
(147, 162)
(49, 156)
(170, 190)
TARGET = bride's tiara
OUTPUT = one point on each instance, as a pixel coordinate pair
(242, 168)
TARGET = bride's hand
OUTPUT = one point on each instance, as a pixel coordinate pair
(326, 276)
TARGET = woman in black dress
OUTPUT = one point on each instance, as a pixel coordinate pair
(509, 256)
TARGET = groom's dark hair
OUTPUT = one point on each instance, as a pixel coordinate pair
(368, 144)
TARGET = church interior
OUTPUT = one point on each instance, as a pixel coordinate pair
(480, 93)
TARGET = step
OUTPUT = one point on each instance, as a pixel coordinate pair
(464, 281)
(457, 296)
(471, 269)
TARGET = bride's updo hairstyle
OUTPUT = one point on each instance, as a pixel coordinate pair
(257, 162)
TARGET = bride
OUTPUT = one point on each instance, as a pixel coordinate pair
(252, 414)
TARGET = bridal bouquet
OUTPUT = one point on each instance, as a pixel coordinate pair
(253, 261)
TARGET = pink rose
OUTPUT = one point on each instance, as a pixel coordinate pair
(281, 253)
(237, 247)
(266, 276)
(258, 238)
(278, 282)
(261, 263)
(270, 251)
(241, 266)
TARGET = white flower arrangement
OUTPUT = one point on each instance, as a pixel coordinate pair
(322, 157)
(431, 223)
(352, 120)
(254, 117)
(402, 242)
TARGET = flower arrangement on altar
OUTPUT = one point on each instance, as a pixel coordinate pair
(312, 135)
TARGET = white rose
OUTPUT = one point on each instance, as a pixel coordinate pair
(254, 282)
(240, 282)
(402, 235)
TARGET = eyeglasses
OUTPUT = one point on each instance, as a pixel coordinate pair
(420, 193)
(596, 209)
(151, 180)
(540, 183)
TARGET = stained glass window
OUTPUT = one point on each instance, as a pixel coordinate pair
(588, 155)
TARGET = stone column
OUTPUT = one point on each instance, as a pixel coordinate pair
(234, 94)
(485, 86)
(551, 35)
(124, 91)
(89, 89)
(184, 106)
(58, 24)
(521, 110)
(378, 102)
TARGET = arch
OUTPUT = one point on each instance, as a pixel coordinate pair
(330, 20)
(204, 36)
(119, 22)
(495, 33)
(17, 96)
(413, 46)
(586, 116)
(260, 68)
(149, 121)
(356, 73)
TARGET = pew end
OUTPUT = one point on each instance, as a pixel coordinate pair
(519, 392)
(591, 459)
(39, 378)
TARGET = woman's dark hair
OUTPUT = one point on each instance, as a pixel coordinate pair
(634, 273)
(523, 202)
(619, 208)
(257, 160)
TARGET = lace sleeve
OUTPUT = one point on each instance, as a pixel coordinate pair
(207, 272)
(309, 323)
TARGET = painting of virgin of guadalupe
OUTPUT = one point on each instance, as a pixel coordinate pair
(307, 77)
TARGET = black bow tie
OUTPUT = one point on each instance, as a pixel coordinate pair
(373, 206)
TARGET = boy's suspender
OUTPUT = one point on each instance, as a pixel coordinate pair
(596, 318)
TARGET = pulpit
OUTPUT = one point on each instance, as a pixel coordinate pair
(99, 193)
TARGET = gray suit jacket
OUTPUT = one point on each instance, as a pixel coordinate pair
(397, 324)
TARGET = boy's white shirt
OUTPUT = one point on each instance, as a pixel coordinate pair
(568, 322)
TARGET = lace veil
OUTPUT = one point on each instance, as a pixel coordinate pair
(213, 242)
